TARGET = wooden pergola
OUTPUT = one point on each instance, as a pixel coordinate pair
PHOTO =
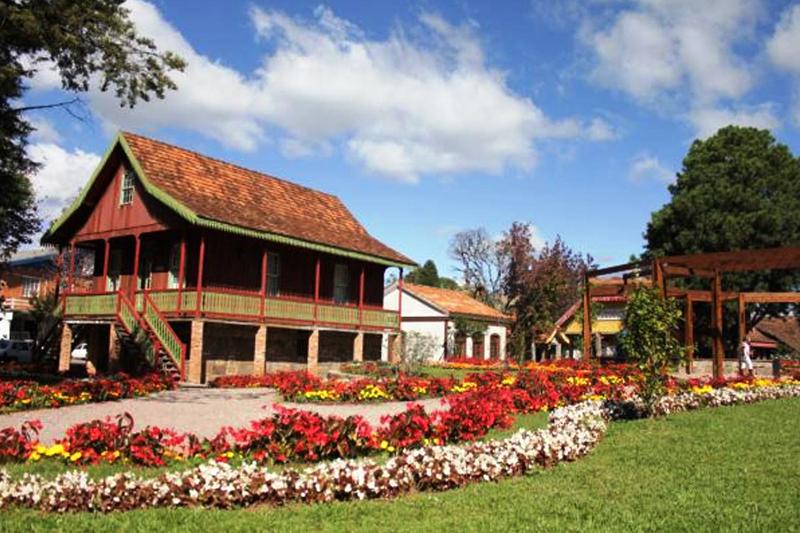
(710, 266)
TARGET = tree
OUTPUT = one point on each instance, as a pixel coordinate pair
(540, 285)
(482, 263)
(448, 283)
(649, 339)
(737, 190)
(82, 40)
(427, 274)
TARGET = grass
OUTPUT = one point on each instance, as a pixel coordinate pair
(729, 469)
(459, 373)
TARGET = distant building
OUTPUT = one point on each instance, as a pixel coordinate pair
(434, 312)
(27, 274)
(771, 335)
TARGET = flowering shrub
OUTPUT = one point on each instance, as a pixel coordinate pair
(572, 433)
(19, 395)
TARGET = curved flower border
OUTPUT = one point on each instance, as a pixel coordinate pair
(572, 433)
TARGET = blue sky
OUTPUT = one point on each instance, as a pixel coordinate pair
(427, 118)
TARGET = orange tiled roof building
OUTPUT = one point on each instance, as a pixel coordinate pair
(227, 270)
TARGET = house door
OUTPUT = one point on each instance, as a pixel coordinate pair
(461, 346)
(494, 346)
(477, 348)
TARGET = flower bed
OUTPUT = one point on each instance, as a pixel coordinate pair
(570, 378)
(573, 431)
(20, 395)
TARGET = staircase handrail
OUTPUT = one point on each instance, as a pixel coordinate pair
(158, 324)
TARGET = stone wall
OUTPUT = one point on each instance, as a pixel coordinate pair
(336, 346)
(228, 349)
(373, 344)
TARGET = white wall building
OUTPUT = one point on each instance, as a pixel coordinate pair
(433, 311)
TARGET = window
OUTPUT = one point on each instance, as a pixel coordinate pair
(341, 283)
(30, 287)
(477, 347)
(126, 193)
(175, 266)
(273, 274)
(494, 346)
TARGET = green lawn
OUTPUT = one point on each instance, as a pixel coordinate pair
(728, 469)
(458, 373)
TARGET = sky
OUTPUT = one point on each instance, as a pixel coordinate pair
(428, 118)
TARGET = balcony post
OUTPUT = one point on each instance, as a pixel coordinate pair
(263, 281)
(105, 263)
(316, 289)
(71, 266)
(135, 281)
(59, 266)
(200, 275)
(361, 298)
(181, 271)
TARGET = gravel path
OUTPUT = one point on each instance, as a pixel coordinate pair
(198, 410)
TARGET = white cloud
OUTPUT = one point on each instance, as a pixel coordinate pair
(783, 48)
(708, 120)
(680, 54)
(61, 176)
(661, 45)
(647, 167)
(44, 130)
(600, 130)
(400, 106)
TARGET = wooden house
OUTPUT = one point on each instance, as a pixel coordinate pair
(209, 268)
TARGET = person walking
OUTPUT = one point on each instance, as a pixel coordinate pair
(745, 362)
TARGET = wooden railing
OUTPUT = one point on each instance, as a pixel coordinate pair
(237, 305)
(175, 349)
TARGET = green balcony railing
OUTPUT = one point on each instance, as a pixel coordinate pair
(337, 314)
(232, 304)
(289, 310)
(380, 318)
(91, 304)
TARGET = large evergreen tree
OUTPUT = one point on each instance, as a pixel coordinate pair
(82, 40)
(739, 189)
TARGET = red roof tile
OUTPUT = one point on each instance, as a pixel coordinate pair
(454, 302)
(224, 192)
(784, 329)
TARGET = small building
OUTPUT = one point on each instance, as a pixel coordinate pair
(26, 274)
(775, 336)
(437, 312)
(225, 270)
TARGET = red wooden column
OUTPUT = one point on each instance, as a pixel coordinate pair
(71, 279)
(181, 272)
(135, 280)
(263, 281)
(361, 297)
(105, 264)
(688, 319)
(316, 288)
(587, 318)
(716, 325)
(59, 267)
(201, 260)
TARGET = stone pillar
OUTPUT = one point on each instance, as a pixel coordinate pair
(313, 352)
(114, 349)
(260, 356)
(65, 354)
(395, 348)
(558, 351)
(598, 345)
(358, 347)
(195, 371)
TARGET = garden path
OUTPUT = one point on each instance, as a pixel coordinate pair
(198, 410)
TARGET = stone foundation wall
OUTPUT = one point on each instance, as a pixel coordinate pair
(228, 349)
(372, 346)
(286, 345)
(336, 346)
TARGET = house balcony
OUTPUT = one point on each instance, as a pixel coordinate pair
(238, 306)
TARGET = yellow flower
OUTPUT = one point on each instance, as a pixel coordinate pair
(75, 456)
(35, 456)
(384, 445)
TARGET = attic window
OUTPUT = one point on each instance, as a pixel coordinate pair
(126, 193)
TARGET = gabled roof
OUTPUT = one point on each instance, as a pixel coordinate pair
(212, 193)
(784, 329)
(454, 302)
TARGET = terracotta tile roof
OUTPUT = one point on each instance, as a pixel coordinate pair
(224, 192)
(785, 330)
(454, 302)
